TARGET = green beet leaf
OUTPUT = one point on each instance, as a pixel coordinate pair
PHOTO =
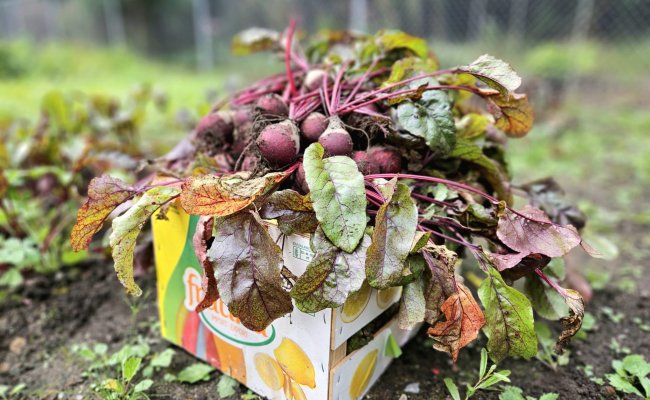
(127, 227)
(412, 305)
(293, 211)
(430, 118)
(331, 276)
(509, 319)
(468, 151)
(546, 301)
(338, 194)
(495, 73)
(254, 40)
(392, 238)
(247, 265)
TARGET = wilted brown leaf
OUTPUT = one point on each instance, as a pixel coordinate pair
(464, 319)
(104, 195)
(514, 114)
(224, 195)
(293, 211)
(202, 235)
(572, 323)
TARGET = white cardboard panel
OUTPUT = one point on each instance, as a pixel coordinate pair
(343, 373)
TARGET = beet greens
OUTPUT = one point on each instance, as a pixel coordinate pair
(395, 166)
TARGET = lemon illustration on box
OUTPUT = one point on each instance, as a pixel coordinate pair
(356, 303)
(291, 358)
(363, 373)
(386, 297)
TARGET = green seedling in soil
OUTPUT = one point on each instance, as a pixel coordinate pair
(642, 325)
(631, 376)
(192, 374)
(614, 316)
(226, 387)
(487, 379)
(249, 395)
(8, 392)
(546, 352)
(377, 155)
(515, 393)
(113, 376)
(617, 348)
(588, 370)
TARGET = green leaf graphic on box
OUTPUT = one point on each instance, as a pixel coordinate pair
(392, 348)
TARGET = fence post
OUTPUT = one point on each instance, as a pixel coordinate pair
(359, 15)
(114, 22)
(476, 18)
(202, 35)
(581, 25)
(517, 21)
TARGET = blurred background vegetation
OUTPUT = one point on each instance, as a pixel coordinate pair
(78, 75)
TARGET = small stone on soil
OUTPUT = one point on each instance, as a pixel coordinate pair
(413, 387)
(17, 345)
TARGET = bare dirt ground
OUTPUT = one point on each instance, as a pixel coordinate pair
(39, 326)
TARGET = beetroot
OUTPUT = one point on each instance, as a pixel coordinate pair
(364, 163)
(385, 159)
(242, 116)
(313, 126)
(314, 79)
(249, 163)
(272, 104)
(213, 132)
(300, 180)
(279, 143)
(336, 140)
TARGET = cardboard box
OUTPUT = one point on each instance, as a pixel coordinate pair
(301, 356)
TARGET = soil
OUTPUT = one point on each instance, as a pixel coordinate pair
(86, 304)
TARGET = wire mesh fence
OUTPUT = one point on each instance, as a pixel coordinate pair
(565, 41)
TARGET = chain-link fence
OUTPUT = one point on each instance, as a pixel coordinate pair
(562, 42)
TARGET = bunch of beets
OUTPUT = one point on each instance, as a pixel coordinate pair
(397, 170)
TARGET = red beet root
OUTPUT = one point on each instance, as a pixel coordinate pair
(314, 79)
(272, 104)
(241, 116)
(213, 132)
(279, 143)
(364, 163)
(386, 160)
(336, 140)
(313, 126)
(300, 180)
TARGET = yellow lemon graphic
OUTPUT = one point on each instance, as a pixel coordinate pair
(386, 297)
(296, 392)
(269, 370)
(295, 363)
(356, 303)
(363, 373)
(286, 388)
